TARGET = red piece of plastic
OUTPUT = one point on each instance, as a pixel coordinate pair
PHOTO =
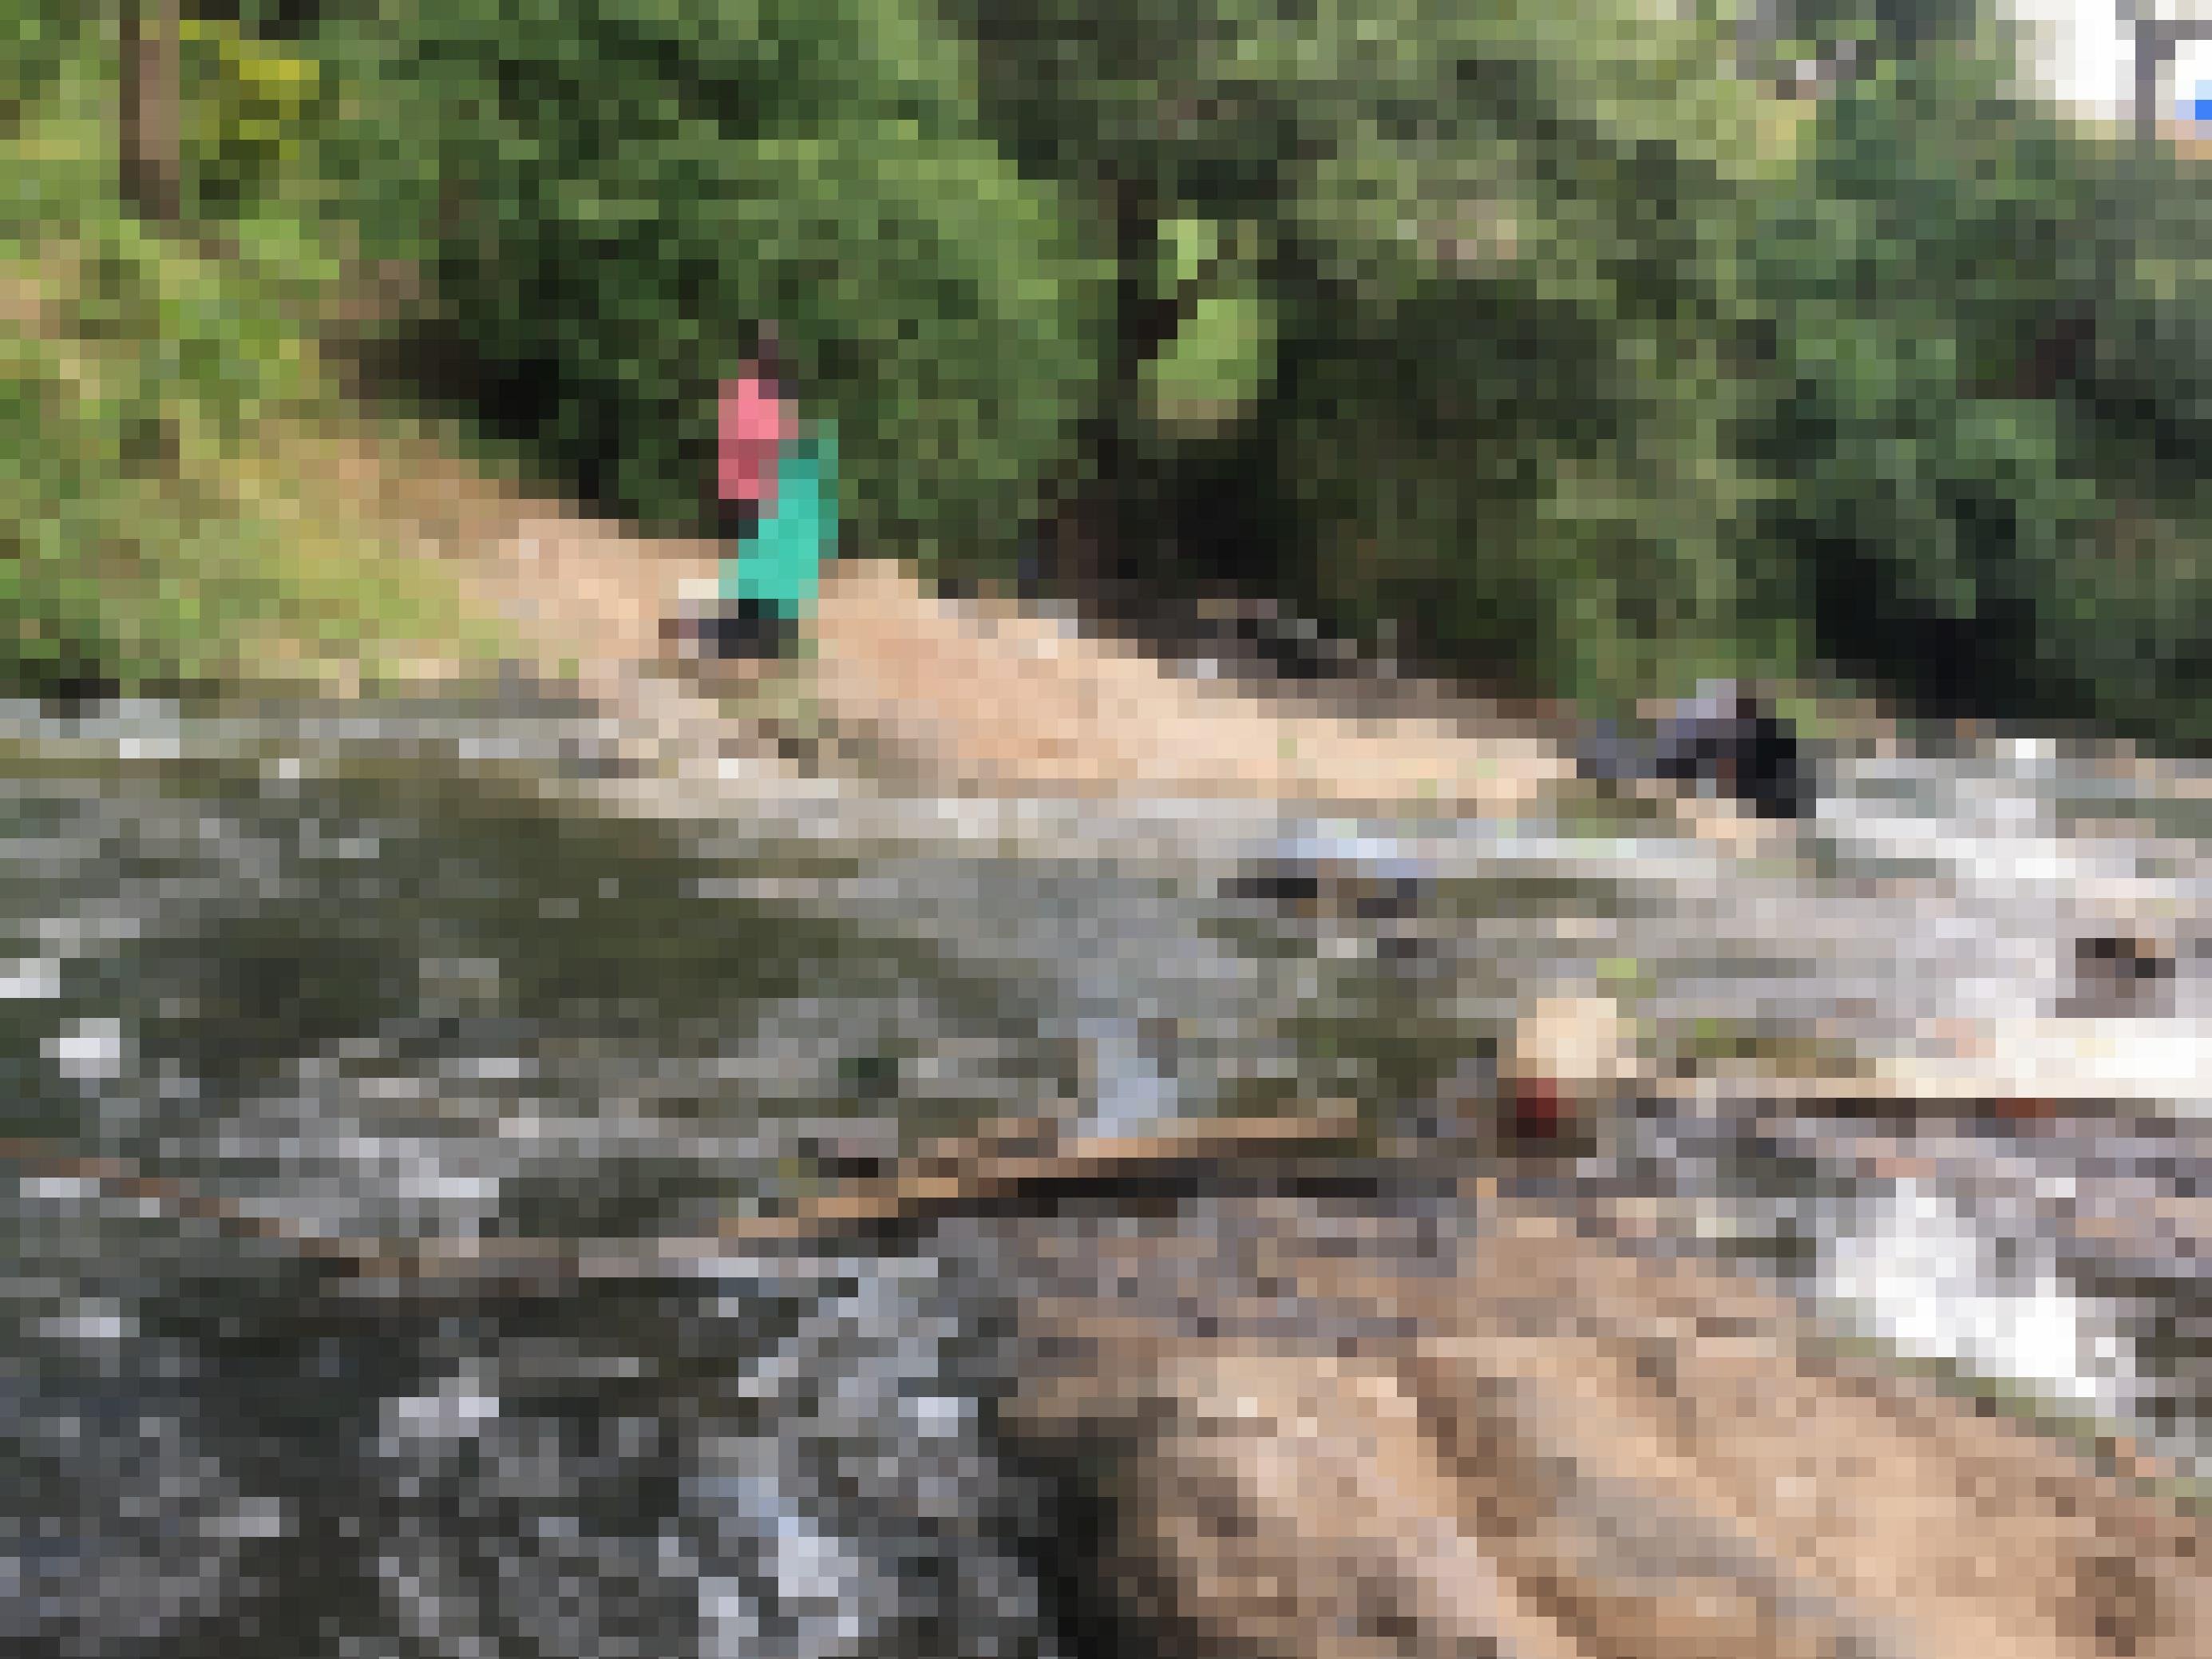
(1541, 1109)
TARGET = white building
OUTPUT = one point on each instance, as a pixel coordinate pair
(2084, 55)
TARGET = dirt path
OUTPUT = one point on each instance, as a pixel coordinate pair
(1018, 702)
(988, 698)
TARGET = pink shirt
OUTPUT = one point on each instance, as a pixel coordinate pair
(752, 423)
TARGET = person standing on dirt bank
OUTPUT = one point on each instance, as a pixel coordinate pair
(776, 493)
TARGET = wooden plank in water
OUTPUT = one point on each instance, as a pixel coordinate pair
(2159, 1064)
(1006, 1162)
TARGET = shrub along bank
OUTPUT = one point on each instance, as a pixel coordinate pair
(1543, 337)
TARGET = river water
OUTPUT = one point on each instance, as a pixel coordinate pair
(458, 973)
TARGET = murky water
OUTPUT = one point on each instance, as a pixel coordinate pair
(387, 977)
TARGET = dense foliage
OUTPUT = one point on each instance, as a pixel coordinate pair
(255, 111)
(1595, 365)
(150, 532)
(1497, 260)
(1988, 378)
(1427, 315)
(1542, 334)
(618, 192)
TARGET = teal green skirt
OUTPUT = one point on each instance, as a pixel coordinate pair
(779, 565)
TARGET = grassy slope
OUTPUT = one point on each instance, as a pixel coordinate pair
(172, 432)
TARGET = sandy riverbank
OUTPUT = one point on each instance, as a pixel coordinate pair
(986, 696)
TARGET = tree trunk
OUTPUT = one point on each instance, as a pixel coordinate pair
(153, 111)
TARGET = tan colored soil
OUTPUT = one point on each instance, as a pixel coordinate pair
(986, 696)
(1016, 701)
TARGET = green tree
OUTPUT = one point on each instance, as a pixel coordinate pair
(149, 535)
(615, 193)
(1991, 375)
(152, 110)
(1478, 315)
